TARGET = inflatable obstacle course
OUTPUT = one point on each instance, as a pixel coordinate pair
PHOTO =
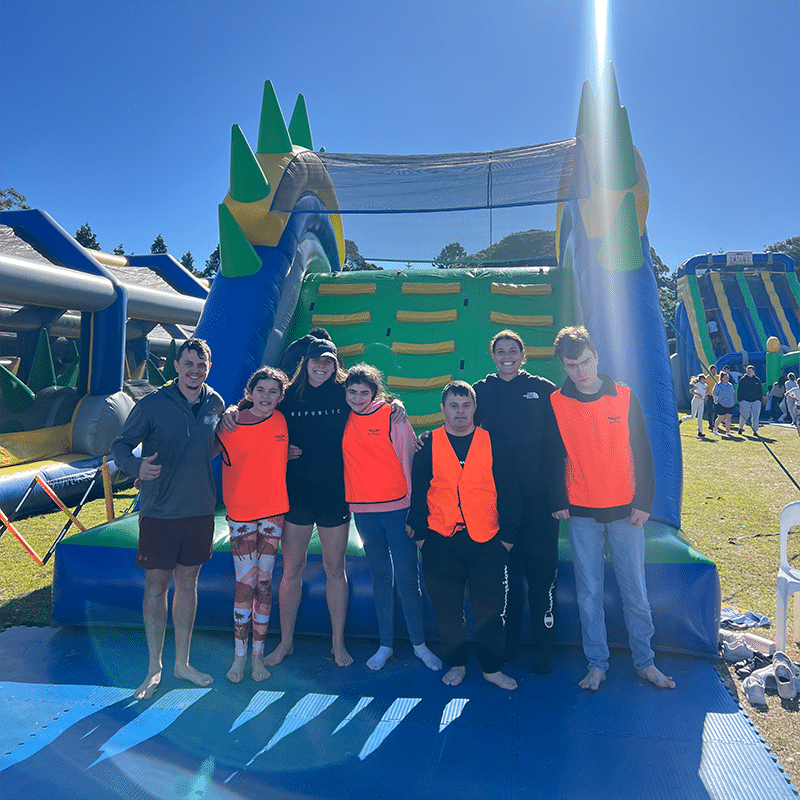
(282, 246)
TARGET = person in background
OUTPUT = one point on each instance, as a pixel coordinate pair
(698, 389)
(377, 480)
(750, 394)
(610, 486)
(724, 400)
(711, 411)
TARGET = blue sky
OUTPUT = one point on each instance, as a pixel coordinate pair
(119, 114)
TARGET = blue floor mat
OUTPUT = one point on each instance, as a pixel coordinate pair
(70, 729)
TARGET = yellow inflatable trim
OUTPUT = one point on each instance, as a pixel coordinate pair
(437, 382)
(359, 318)
(351, 350)
(522, 288)
(540, 352)
(431, 288)
(539, 321)
(426, 420)
(21, 447)
(427, 316)
(411, 349)
(347, 288)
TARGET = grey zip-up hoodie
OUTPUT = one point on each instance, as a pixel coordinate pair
(165, 423)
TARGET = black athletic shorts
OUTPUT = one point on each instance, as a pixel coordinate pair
(311, 504)
(164, 543)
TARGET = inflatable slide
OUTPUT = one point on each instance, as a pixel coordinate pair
(282, 248)
(729, 305)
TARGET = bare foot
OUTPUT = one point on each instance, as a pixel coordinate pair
(500, 679)
(236, 672)
(278, 654)
(148, 687)
(657, 677)
(341, 656)
(593, 679)
(454, 676)
(258, 670)
(188, 673)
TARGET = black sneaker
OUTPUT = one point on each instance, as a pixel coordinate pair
(701, 435)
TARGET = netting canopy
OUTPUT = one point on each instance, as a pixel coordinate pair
(407, 208)
(519, 176)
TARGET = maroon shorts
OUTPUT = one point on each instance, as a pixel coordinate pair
(163, 543)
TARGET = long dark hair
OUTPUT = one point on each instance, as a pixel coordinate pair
(265, 373)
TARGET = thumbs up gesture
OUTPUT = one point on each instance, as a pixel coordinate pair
(148, 470)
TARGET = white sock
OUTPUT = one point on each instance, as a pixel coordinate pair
(429, 659)
(382, 655)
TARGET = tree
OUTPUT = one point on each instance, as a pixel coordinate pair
(10, 198)
(212, 265)
(667, 283)
(158, 245)
(450, 256)
(119, 250)
(353, 260)
(789, 246)
(524, 247)
(85, 237)
(188, 261)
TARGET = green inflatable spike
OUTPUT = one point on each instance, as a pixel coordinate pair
(248, 182)
(43, 372)
(169, 365)
(608, 93)
(618, 169)
(154, 376)
(69, 375)
(621, 250)
(16, 396)
(587, 112)
(273, 137)
(237, 257)
(299, 127)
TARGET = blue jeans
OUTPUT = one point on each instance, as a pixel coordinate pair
(392, 559)
(626, 544)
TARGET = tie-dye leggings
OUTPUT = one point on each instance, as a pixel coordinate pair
(254, 546)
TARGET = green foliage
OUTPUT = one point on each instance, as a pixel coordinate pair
(188, 260)
(667, 295)
(85, 237)
(119, 250)
(353, 260)
(518, 248)
(789, 246)
(451, 256)
(10, 198)
(158, 245)
(212, 265)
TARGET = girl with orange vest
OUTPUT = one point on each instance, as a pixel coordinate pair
(254, 460)
(377, 479)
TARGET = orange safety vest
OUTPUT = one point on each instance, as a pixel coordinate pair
(372, 471)
(463, 497)
(254, 469)
(596, 435)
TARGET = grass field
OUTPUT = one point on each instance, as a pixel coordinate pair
(733, 493)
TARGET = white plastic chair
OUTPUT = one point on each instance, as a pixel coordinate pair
(788, 580)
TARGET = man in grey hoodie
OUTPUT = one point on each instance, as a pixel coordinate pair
(176, 427)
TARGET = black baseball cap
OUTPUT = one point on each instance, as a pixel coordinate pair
(318, 348)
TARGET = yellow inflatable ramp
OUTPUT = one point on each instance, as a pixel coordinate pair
(347, 288)
(522, 289)
(411, 349)
(525, 320)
